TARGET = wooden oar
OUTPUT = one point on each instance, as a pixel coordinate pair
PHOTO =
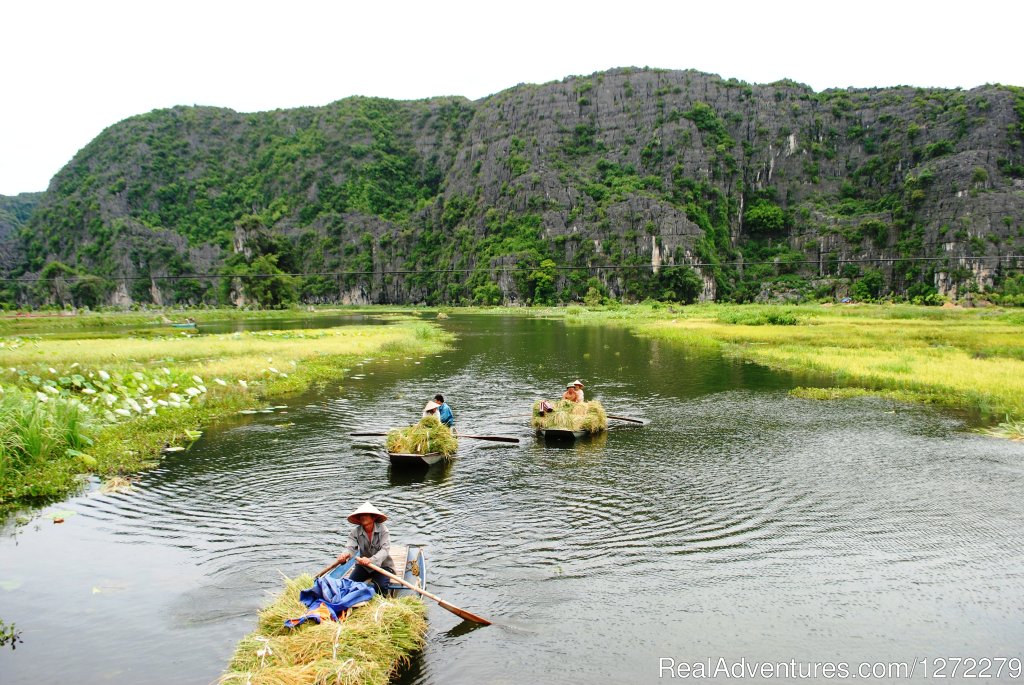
(328, 569)
(462, 613)
(492, 438)
(625, 418)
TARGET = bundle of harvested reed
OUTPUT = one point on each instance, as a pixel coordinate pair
(574, 416)
(366, 647)
(429, 435)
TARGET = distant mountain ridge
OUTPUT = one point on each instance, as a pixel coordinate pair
(678, 184)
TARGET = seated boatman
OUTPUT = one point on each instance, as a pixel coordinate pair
(369, 542)
(578, 385)
(570, 393)
(444, 412)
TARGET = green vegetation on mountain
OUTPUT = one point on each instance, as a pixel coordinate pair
(627, 184)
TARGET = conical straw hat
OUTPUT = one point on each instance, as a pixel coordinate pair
(367, 508)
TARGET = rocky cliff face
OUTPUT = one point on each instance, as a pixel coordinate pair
(15, 212)
(633, 182)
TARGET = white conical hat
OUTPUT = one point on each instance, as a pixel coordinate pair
(430, 405)
(367, 508)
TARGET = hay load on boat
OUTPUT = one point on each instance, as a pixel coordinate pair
(568, 420)
(424, 443)
(367, 646)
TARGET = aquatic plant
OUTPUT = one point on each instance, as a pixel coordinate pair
(429, 435)
(9, 635)
(573, 416)
(1009, 429)
(366, 647)
(111, 405)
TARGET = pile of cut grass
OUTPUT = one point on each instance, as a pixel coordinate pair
(429, 435)
(573, 416)
(366, 647)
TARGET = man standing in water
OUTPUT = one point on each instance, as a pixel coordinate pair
(369, 542)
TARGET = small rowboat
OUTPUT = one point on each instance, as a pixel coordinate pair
(183, 325)
(560, 434)
(409, 563)
(421, 460)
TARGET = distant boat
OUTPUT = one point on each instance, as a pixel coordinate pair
(191, 324)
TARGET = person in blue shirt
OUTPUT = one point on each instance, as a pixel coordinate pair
(444, 412)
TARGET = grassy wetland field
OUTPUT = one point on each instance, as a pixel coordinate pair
(965, 358)
(76, 397)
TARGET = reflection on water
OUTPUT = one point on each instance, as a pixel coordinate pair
(740, 522)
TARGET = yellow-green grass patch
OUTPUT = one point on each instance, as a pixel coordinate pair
(367, 647)
(425, 437)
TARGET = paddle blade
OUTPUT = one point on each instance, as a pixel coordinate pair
(462, 613)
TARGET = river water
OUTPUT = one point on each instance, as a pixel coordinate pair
(740, 523)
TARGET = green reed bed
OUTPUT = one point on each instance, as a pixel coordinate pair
(572, 416)
(367, 647)
(429, 435)
(109, 406)
(967, 358)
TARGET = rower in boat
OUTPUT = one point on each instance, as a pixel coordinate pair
(444, 412)
(370, 542)
(570, 394)
(578, 387)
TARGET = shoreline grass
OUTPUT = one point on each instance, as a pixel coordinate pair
(367, 647)
(964, 358)
(108, 406)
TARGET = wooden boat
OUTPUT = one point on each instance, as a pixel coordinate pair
(421, 460)
(560, 434)
(409, 563)
(183, 325)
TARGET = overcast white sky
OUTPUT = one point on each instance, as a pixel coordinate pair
(70, 68)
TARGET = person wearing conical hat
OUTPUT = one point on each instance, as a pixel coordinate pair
(578, 385)
(570, 393)
(369, 542)
(431, 409)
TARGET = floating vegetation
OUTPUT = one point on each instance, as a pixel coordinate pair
(116, 484)
(429, 435)
(896, 395)
(573, 416)
(829, 393)
(366, 647)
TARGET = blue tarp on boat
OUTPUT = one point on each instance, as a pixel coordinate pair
(334, 594)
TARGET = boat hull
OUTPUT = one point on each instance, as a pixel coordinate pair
(415, 460)
(560, 434)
